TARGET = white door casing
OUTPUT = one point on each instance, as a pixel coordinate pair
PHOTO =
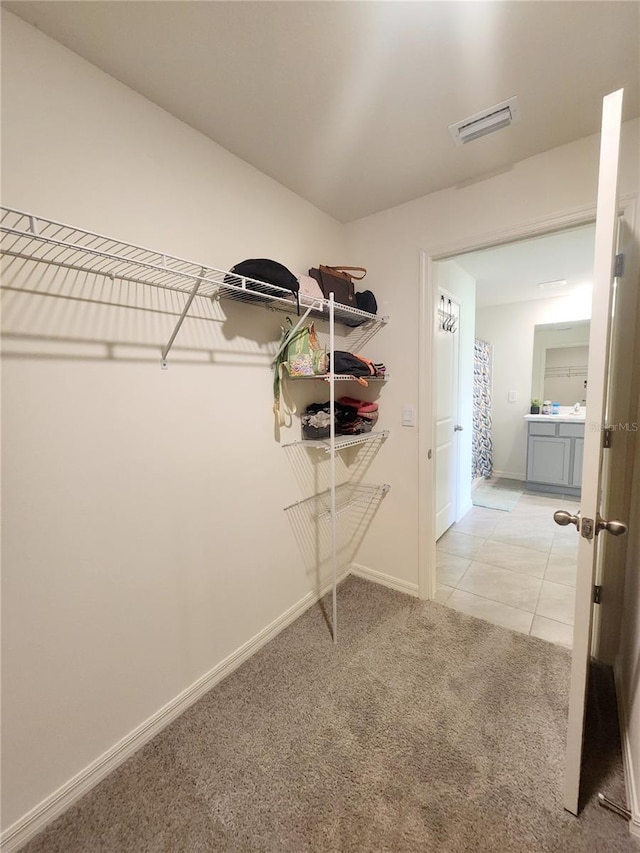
(447, 401)
(594, 485)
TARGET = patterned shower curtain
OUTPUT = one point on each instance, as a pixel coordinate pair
(482, 459)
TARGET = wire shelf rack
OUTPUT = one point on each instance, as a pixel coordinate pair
(341, 442)
(348, 496)
(569, 371)
(34, 238)
(339, 377)
(360, 495)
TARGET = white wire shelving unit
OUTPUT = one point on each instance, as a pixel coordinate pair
(35, 238)
(45, 241)
(357, 494)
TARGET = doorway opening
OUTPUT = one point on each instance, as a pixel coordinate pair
(524, 314)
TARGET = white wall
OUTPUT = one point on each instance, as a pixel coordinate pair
(451, 277)
(510, 328)
(144, 538)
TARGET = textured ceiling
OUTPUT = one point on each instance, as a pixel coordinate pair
(348, 103)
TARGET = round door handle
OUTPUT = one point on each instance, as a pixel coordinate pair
(458, 428)
(616, 528)
(564, 518)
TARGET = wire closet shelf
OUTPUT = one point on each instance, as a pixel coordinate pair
(341, 442)
(338, 377)
(34, 238)
(348, 497)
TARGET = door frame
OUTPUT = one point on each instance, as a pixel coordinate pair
(571, 218)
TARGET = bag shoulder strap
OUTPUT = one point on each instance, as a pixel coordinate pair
(281, 407)
(347, 269)
(282, 357)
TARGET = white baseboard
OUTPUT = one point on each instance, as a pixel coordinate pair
(627, 756)
(509, 475)
(385, 580)
(52, 806)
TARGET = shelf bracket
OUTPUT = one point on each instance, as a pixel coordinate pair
(185, 311)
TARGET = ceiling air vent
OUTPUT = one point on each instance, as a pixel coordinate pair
(495, 118)
(552, 285)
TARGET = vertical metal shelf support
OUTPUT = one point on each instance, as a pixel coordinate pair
(332, 439)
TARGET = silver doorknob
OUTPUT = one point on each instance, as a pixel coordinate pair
(564, 518)
(616, 528)
(458, 428)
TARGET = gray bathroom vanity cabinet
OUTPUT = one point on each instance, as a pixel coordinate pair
(555, 447)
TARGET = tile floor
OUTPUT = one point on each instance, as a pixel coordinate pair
(516, 569)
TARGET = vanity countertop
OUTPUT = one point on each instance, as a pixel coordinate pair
(565, 418)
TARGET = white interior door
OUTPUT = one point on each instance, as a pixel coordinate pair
(447, 427)
(595, 485)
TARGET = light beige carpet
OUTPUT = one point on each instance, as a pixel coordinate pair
(424, 730)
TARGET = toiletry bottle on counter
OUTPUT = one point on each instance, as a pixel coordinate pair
(546, 407)
(555, 408)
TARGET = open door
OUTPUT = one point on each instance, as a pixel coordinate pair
(590, 525)
(447, 426)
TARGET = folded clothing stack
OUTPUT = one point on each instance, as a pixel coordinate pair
(316, 421)
(352, 417)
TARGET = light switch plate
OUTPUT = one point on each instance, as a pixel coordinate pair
(408, 415)
(513, 396)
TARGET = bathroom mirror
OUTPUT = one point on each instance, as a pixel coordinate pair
(560, 357)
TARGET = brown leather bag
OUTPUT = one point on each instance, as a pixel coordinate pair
(339, 281)
(344, 272)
